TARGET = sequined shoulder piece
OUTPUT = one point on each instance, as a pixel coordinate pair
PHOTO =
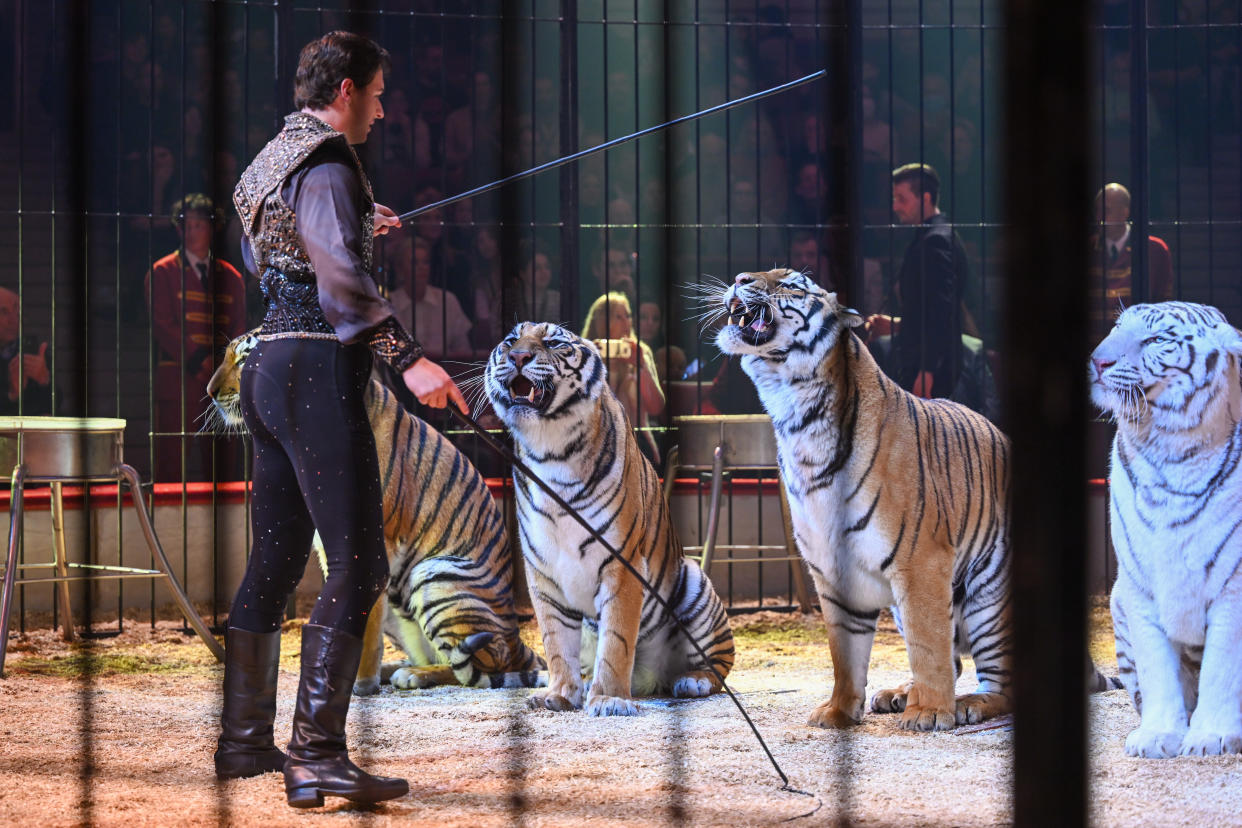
(302, 135)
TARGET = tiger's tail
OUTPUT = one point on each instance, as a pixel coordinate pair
(1097, 682)
(485, 659)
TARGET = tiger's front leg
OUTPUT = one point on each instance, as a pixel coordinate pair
(619, 605)
(850, 634)
(562, 642)
(925, 602)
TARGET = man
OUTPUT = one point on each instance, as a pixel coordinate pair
(808, 257)
(437, 318)
(310, 218)
(927, 338)
(198, 303)
(30, 382)
(1111, 285)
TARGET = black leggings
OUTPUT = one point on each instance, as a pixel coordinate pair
(314, 468)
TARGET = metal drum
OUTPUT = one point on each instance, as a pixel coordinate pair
(746, 440)
(62, 448)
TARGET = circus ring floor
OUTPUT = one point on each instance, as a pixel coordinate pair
(120, 731)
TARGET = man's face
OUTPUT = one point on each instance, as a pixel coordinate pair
(364, 109)
(196, 234)
(907, 205)
(8, 317)
(429, 225)
(1111, 208)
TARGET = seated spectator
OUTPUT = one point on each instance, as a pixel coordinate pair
(30, 382)
(534, 298)
(486, 273)
(632, 376)
(808, 257)
(669, 359)
(432, 314)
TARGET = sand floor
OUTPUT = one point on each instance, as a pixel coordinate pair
(120, 731)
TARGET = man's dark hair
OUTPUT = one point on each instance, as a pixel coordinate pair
(326, 62)
(802, 237)
(922, 178)
(193, 203)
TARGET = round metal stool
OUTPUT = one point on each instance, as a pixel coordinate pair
(60, 450)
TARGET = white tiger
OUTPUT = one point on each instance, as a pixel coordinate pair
(1169, 374)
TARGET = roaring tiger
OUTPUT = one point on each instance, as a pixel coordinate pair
(550, 388)
(1169, 374)
(895, 501)
(451, 582)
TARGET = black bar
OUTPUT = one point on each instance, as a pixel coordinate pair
(569, 142)
(1046, 168)
(1140, 288)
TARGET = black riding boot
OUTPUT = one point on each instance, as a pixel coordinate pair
(245, 747)
(318, 764)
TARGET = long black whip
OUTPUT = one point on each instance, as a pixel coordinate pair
(512, 458)
(559, 162)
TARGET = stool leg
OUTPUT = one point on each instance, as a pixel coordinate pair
(791, 547)
(10, 570)
(713, 510)
(62, 560)
(187, 609)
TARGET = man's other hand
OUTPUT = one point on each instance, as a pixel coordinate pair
(385, 219)
(432, 385)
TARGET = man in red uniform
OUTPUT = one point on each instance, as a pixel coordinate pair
(198, 303)
(1110, 288)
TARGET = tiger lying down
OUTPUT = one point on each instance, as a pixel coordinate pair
(451, 583)
(896, 501)
(550, 388)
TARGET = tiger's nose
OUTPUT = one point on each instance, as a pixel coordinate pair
(1101, 365)
(519, 357)
(743, 279)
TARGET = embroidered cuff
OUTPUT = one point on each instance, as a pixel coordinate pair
(395, 345)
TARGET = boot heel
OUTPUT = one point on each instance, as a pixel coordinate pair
(308, 797)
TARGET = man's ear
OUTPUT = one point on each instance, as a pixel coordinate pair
(347, 89)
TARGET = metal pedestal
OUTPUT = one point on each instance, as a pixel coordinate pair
(60, 450)
(722, 444)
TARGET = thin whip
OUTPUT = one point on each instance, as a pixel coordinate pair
(551, 165)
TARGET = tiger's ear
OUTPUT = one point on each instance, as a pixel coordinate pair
(851, 317)
(1233, 340)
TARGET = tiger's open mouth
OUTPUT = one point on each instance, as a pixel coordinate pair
(756, 325)
(524, 392)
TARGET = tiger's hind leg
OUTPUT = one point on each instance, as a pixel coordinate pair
(984, 622)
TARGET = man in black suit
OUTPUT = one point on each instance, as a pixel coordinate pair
(927, 337)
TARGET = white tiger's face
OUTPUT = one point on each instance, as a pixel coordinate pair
(1159, 356)
(781, 312)
(542, 372)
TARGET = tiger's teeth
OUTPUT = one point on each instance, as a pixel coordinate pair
(531, 396)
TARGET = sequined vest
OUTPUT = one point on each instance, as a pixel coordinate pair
(286, 275)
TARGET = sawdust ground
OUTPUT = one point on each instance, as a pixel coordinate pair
(120, 732)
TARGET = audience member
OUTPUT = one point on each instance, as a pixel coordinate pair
(198, 304)
(535, 299)
(1111, 285)
(808, 256)
(486, 277)
(30, 381)
(432, 315)
(632, 374)
(669, 359)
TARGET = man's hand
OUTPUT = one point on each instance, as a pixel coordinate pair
(28, 367)
(923, 385)
(432, 385)
(385, 219)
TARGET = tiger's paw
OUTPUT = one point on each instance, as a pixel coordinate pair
(927, 718)
(828, 715)
(551, 700)
(695, 685)
(975, 707)
(889, 701)
(1150, 743)
(1208, 743)
(367, 686)
(409, 678)
(611, 706)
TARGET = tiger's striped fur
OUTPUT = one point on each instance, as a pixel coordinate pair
(451, 578)
(1169, 374)
(895, 501)
(550, 388)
